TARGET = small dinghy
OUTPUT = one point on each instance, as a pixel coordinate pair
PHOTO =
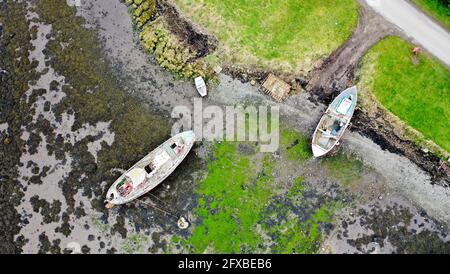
(201, 86)
(334, 122)
(151, 170)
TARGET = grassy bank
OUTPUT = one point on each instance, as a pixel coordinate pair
(283, 35)
(415, 89)
(439, 9)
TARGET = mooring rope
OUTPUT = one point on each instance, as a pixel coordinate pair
(170, 215)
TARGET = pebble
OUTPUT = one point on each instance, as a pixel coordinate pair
(253, 82)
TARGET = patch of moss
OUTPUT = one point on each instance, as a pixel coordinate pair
(237, 212)
(296, 145)
(344, 168)
(229, 205)
(15, 46)
(134, 243)
(141, 10)
(170, 53)
(294, 224)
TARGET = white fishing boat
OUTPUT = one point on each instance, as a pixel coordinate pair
(151, 170)
(201, 86)
(334, 122)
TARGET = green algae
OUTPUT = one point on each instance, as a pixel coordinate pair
(15, 45)
(239, 207)
(134, 243)
(230, 198)
(344, 168)
(296, 145)
(294, 224)
(93, 95)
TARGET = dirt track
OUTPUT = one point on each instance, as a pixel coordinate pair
(337, 71)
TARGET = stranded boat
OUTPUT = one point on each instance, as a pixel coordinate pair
(151, 170)
(200, 86)
(334, 122)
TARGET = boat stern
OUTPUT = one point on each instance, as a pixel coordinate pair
(317, 151)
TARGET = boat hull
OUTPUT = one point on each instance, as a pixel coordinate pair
(151, 170)
(334, 122)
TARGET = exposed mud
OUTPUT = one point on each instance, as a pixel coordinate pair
(438, 169)
(388, 225)
(198, 40)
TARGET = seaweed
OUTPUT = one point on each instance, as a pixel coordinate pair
(15, 44)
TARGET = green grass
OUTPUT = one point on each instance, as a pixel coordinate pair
(418, 92)
(437, 9)
(279, 34)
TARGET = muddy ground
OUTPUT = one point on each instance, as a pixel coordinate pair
(61, 153)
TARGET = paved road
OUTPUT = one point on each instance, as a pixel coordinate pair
(417, 25)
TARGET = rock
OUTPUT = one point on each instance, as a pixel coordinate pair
(253, 82)
(425, 150)
(90, 168)
(6, 141)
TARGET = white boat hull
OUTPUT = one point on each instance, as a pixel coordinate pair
(149, 172)
(334, 122)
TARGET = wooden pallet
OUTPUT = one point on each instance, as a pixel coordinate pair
(276, 87)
